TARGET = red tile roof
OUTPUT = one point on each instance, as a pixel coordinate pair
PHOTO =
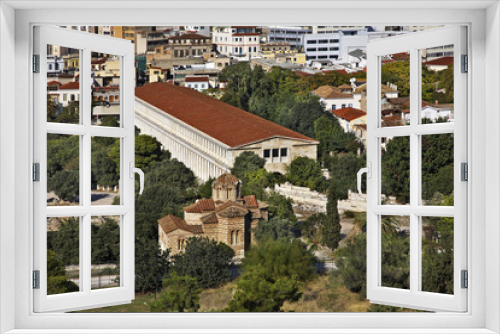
(445, 61)
(171, 223)
(190, 36)
(219, 120)
(210, 219)
(54, 83)
(349, 113)
(197, 79)
(342, 71)
(251, 201)
(202, 205)
(227, 178)
(302, 74)
(70, 85)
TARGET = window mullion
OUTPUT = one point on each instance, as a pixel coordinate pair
(414, 170)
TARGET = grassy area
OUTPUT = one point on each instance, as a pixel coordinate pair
(138, 305)
(214, 300)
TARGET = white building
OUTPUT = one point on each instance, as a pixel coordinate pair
(294, 35)
(321, 46)
(432, 114)
(55, 65)
(200, 83)
(331, 98)
(207, 135)
(200, 30)
(237, 41)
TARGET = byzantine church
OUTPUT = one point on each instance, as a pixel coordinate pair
(226, 217)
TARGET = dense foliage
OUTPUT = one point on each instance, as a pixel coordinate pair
(343, 169)
(306, 172)
(181, 294)
(275, 229)
(57, 279)
(205, 260)
(330, 233)
(247, 162)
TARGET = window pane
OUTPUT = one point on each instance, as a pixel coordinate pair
(395, 170)
(63, 86)
(267, 153)
(437, 254)
(105, 90)
(395, 233)
(395, 89)
(437, 169)
(63, 255)
(63, 170)
(105, 236)
(276, 152)
(105, 171)
(437, 85)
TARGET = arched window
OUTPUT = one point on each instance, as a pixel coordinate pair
(232, 237)
(179, 244)
(236, 237)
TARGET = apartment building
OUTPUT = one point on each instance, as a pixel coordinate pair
(237, 41)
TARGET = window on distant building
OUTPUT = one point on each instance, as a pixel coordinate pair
(267, 153)
(311, 42)
(276, 152)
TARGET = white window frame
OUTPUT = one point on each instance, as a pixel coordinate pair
(86, 44)
(414, 297)
(483, 19)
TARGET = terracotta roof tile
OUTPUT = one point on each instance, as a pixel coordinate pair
(210, 219)
(213, 117)
(227, 178)
(229, 204)
(197, 79)
(349, 113)
(171, 223)
(70, 85)
(53, 83)
(251, 201)
(330, 92)
(445, 61)
(202, 205)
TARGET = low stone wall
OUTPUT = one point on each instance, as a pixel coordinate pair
(312, 201)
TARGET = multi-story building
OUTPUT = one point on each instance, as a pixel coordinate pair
(164, 47)
(289, 34)
(333, 29)
(207, 134)
(237, 41)
(200, 30)
(55, 65)
(322, 46)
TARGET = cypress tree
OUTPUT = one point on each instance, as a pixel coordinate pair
(331, 229)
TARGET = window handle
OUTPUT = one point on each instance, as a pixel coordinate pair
(139, 171)
(368, 171)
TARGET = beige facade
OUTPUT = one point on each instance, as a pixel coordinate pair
(226, 217)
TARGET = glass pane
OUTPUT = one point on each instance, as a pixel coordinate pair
(105, 90)
(437, 169)
(395, 251)
(395, 89)
(437, 254)
(63, 170)
(63, 255)
(437, 85)
(63, 86)
(105, 235)
(395, 169)
(105, 187)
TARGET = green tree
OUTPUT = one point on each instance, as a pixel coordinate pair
(205, 189)
(330, 233)
(205, 260)
(57, 279)
(247, 162)
(65, 184)
(259, 292)
(331, 136)
(279, 206)
(255, 183)
(65, 242)
(351, 264)
(182, 294)
(306, 172)
(396, 169)
(151, 265)
(275, 229)
(105, 240)
(147, 151)
(312, 226)
(343, 169)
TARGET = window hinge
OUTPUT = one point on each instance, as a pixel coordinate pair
(465, 64)
(36, 279)
(464, 172)
(36, 63)
(36, 172)
(465, 279)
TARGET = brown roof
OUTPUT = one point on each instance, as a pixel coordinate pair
(329, 92)
(229, 204)
(210, 219)
(349, 113)
(197, 79)
(190, 36)
(219, 120)
(53, 83)
(345, 86)
(171, 223)
(70, 85)
(227, 178)
(445, 61)
(362, 126)
(202, 205)
(251, 201)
